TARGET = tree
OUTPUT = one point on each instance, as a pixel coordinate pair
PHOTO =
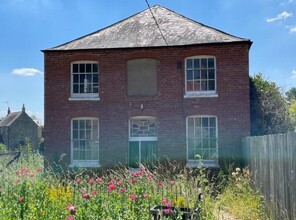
(269, 109)
(291, 94)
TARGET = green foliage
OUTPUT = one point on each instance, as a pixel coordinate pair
(27, 191)
(240, 200)
(268, 107)
(3, 148)
(291, 94)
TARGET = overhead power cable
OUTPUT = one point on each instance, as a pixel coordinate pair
(156, 23)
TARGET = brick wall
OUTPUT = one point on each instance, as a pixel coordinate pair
(170, 107)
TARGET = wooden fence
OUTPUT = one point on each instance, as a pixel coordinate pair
(272, 162)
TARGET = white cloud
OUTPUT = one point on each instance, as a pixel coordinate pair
(292, 29)
(282, 16)
(293, 74)
(26, 72)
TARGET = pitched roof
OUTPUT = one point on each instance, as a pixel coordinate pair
(141, 30)
(9, 119)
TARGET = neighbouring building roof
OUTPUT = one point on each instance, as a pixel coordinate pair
(141, 30)
(9, 119)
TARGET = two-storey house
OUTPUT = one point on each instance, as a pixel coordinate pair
(156, 85)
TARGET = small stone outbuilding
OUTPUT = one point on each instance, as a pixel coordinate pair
(16, 128)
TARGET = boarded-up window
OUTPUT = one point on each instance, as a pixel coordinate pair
(142, 77)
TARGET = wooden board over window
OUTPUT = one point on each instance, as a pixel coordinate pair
(142, 77)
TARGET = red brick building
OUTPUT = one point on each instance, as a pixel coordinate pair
(155, 85)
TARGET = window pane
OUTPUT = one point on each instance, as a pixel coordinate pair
(197, 122)
(211, 85)
(189, 63)
(211, 73)
(204, 85)
(95, 68)
(95, 78)
(211, 63)
(196, 74)
(88, 67)
(196, 85)
(75, 68)
(189, 86)
(81, 134)
(196, 63)
(75, 134)
(198, 132)
(190, 122)
(82, 68)
(204, 63)
(204, 74)
(212, 122)
(82, 124)
(75, 78)
(189, 74)
(212, 132)
(89, 78)
(205, 122)
(75, 124)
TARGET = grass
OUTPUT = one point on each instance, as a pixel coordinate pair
(27, 191)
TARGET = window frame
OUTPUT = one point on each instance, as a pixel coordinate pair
(86, 163)
(84, 96)
(201, 93)
(203, 162)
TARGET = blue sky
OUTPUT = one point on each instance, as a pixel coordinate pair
(28, 26)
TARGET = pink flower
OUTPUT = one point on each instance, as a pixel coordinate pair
(167, 211)
(145, 196)
(120, 183)
(142, 168)
(17, 181)
(25, 170)
(171, 182)
(98, 180)
(17, 173)
(111, 187)
(94, 192)
(133, 180)
(21, 199)
(122, 190)
(112, 181)
(38, 169)
(163, 200)
(160, 184)
(31, 174)
(70, 218)
(86, 196)
(72, 209)
(91, 181)
(78, 180)
(133, 196)
(168, 204)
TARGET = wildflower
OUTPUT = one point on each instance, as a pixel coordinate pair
(91, 181)
(145, 196)
(237, 170)
(160, 184)
(70, 218)
(17, 180)
(38, 169)
(21, 199)
(122, 190)
(111, 187)
(167, 211)
(72, 209)
(31, 174)
(120, 183)
(168, 204)
(171, 182)
(98, 180)
(78, 180)
(133, 180)
(142, 168)
(86, 196)
(163, 200)
(94, 192)
(112, 181)
(25, 170)
(133, 197)
(17, 173)
(139, 173)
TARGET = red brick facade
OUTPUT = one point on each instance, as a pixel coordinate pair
(114, 108)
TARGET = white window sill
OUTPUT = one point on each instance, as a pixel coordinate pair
(86, 164)
(201, 95)
(84, 99)
(202, 163)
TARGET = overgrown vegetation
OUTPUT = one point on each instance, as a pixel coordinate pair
(27, 191)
